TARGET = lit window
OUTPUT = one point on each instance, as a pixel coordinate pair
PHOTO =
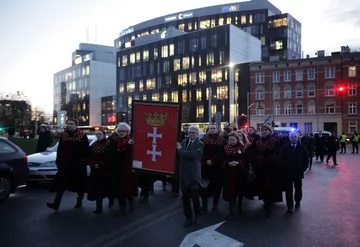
(204, 24)
(124, 60)
(185, 63)
(250, 19)
(210, 59)
(129, 100)
(87, 70)
(156, 53)
(150, 84)
(138, 56)
(146, 55)
(243, 19)
(130, 87)
(216, 75)
(278, 45)
(184, 95)
(212, 23)
(155, 96)
(352, 71)
(200, 111)
(165, 97)
(177, 64)
(144, 97)
(202, 77)
(189, 26)
(222, 92)
(198, 94)
(228, 20)
(182, 79)
(171, 50)
(164, 51)
(121, 88)
(221, 21)
(141, 85)
(182, 27)
(132, 58)
(175, 96)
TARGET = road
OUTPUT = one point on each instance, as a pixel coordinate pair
(329, 216)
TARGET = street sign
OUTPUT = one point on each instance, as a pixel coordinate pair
(209, 237)
(268, 118)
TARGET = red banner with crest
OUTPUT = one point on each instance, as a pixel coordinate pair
(156, 128)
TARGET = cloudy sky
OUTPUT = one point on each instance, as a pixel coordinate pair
(38, 36)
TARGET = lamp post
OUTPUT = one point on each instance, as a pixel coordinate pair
(210, 104)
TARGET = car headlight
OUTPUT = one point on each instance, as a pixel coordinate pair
(48, 164)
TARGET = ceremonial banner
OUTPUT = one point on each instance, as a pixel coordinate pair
(156, 127)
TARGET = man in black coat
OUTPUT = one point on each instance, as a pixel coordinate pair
(294, 161)
(45, 139)
(320, 144)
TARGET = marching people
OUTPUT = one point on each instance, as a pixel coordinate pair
(211, 167)
(99, 176)
(190, 151)
(265, 166)
(309, 143)
(320, 145)
(45, 139)
(332, 145)
(355, 142)
(235, 171)
(120, 168)
(294, 161)
(72, 155)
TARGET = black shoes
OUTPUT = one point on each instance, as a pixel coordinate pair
(290, 210)
(189, 222)
(52, 206)
(297, 205)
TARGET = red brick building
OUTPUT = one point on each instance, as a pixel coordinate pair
(305, 93)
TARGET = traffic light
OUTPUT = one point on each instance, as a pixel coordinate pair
(341, 91)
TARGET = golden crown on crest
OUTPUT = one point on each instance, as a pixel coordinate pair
(155, 119)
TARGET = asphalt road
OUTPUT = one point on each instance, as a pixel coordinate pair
(329, 216)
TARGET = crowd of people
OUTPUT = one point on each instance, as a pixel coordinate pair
(228, 164)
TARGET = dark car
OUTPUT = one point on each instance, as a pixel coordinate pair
(14, 169)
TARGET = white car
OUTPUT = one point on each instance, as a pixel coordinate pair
(42, 167)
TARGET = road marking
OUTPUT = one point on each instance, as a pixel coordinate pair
(130, 229)
(209, 237)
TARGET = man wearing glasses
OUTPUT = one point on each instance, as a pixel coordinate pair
(190, 151)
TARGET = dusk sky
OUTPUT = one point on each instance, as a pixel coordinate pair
(38, 36)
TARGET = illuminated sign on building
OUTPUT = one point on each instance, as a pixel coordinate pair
(78, 59)
(230, 8)
(128, 44)
(163, 35)
(179, 16)
(112, 119)
(127, 31)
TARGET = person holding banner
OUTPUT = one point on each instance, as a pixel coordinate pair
(122, 184)
(190, 151)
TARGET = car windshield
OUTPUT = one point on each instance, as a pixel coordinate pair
(55, 147)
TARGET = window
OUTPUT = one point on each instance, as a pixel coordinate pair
(202, 77)
(260, 110)
(141, 85)
(329, 73)
(6, 148)
(276, 77)
(150, 84)
(200, 61)
(352, 71)
(124, 60)
(177, 64)
(352, 126)
(121, 88)
(311, 74)
(299, 75)
(243, 19)
(168, 80)
(198, 94)
(189, 26)
(216, 75)
(171, 50)
(204, 24)
(259, 78)
(222, 92)
(146, 55)
(200, 111)
(186, 63)
(213, 23)
(203, 42)
(210, 59)
(250, 19)
(221, 21)
(182, 27)
(311, 108)
(287, 76)
(308, 128)
(182, 79)
(299, 108)
(130, 87)
(330, 108)
(276, 92)
(184, 95)
(287, 109)
(299, 91)
(155, 96)
(287, 91)
(166, 66)
(277, 110)
(352, 108)
(194, 45)
(132, 58)
(214, 40)
(138, 57)
(129, 101)
(260, 94)
(330, 90)
(221, 57)
(156, 53)
(175, 96)
(165, 97)
(164, 51)
(352, 89)
(192, 78)
(144, 97)
(311, 90)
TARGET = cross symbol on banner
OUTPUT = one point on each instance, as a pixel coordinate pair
(153, 152)
(154, 135)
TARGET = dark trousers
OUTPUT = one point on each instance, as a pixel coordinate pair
(175, 185)
(310, 162)
(191, 194)
(331, 153)
(343, 147)
(320, 153)
(355, 146)
(60, 194)
(290, 185)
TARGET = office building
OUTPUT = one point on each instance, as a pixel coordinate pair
(78, 89)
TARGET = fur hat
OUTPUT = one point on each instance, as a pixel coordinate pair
(267, 126)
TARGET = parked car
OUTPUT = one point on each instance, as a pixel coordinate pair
(14, 169)
(42, 165)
